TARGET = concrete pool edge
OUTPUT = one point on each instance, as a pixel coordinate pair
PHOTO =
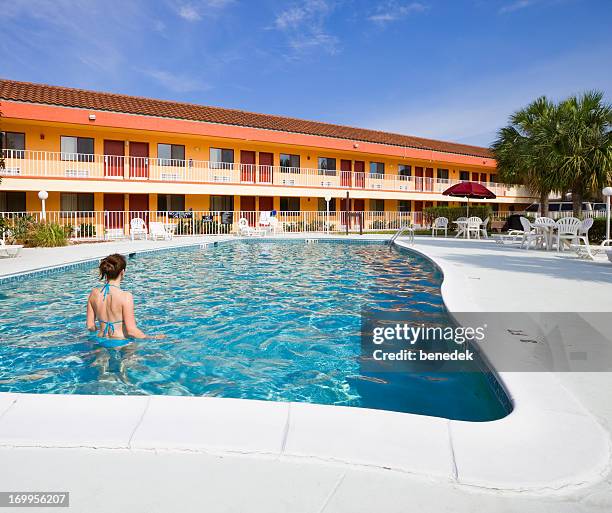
(578, 457)
(408, 443)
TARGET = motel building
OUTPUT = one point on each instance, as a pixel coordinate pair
(104, 159)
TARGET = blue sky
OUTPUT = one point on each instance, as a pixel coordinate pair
(444, 69)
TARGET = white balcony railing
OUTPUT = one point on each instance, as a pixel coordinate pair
(43, 164)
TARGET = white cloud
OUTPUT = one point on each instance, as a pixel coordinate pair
(394, 10)
(304, 26)
(174, 82)
(515, 6)
(196, 10)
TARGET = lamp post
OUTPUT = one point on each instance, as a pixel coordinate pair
(42, 196)
(327, 200)
(607, 192)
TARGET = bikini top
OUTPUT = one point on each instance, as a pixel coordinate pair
(109, 327)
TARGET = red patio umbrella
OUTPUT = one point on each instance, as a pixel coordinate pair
(473, 190)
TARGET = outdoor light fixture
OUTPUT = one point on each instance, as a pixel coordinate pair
(327, 200)
(92, 117)
(42, 196)
(607, 192)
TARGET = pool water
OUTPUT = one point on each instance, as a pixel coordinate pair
(278, 321)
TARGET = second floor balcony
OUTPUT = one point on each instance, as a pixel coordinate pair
(43, 164)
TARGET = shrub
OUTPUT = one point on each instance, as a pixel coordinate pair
(597, 233)
(46, 235)
(87, 230)
(453, 213)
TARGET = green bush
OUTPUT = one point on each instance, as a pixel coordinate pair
(87, 230)
(46, 235)
(453, 213)
(597, 233)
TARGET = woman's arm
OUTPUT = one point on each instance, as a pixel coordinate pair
(129, 320)
(91, 316)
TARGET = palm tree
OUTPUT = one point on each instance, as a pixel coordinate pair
(583, 148)
(522, 150)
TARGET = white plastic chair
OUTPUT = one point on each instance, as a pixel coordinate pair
(530, 234)
(461, 228)
(546, 226)
(158, 231)
(264, 219)
(567, 231)
(483, 228)
(245, 230)
(439, 224)
(473, 226)
(9, 250)
(138, 228)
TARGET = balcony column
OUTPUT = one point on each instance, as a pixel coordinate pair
(126, 162)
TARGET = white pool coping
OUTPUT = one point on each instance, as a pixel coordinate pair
(550, 444)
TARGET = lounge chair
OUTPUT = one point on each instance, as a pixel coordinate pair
(9, 250)
(158, 231)
(138, 228)
(247, 231)
(439, 224)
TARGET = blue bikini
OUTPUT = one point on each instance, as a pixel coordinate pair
(109, 327)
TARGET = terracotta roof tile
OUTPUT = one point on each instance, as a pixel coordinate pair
(80, 98)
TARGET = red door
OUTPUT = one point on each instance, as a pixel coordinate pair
(266, 161)
(418, 212)
(113, 210)
(114, 153)
(266, 203)
(247, 209)
(247, 166)
(139, 207)
(358, 206)
(483, 177)
(346, 168)
(429, 179)
(475, 177)
(360, 174)
(418, 178)
(344, 206)
(139, 160)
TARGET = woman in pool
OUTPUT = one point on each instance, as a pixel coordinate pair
(112, 307)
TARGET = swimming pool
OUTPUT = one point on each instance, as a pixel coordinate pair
(277, 321)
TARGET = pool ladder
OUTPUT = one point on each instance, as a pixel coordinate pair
(399, 232)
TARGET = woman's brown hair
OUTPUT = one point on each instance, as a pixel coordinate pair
(111, 266)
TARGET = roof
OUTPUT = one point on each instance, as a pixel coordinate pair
(79, 98)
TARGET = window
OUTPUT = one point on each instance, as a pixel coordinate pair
(77, 148)
(222, 203)
(220, 158)
(404, 170)
(171, 154)
(323, 205)
(493, 178)
(290, 161)
(377, 205)
(464, 175)
(77, 202)
(404, 206)
(14, 142)
(12, 201)
(290, 204)
(171, 202)
(377, 168)
(442, 174)
(327, 166)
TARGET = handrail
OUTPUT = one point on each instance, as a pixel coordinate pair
(400, 231)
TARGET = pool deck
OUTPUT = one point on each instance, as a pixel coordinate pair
(551, 454)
